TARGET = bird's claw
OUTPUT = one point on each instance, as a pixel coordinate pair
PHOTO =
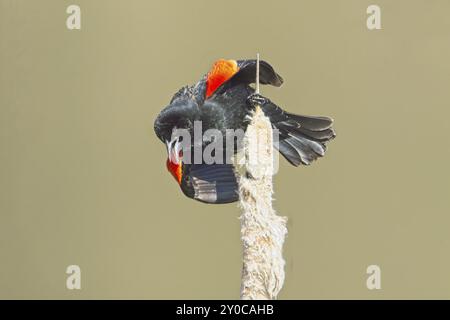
(255, 99)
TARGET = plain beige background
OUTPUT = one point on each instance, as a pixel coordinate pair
(83, 178)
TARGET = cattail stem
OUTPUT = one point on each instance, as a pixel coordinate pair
(262, 230)
(257, 74)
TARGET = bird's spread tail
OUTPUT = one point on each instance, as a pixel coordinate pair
(302, 139)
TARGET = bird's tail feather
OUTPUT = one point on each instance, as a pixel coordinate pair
(302, 139)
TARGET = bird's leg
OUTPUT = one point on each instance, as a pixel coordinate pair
(255, 99)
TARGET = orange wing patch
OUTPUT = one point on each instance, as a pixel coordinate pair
(221, 71)
(175, 169)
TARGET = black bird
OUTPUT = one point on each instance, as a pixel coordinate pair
(223, 99)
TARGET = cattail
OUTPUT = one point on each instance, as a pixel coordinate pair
(262, 230)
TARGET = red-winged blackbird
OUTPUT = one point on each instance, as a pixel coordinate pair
(223, 99)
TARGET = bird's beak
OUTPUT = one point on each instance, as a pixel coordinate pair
(173, 150)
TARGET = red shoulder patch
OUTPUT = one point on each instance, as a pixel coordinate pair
(175, 169)
(221, 71)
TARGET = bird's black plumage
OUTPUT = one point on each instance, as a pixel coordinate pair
(302, 138)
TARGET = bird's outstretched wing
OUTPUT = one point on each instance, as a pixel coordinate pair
(225, 74)
(210, 183)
